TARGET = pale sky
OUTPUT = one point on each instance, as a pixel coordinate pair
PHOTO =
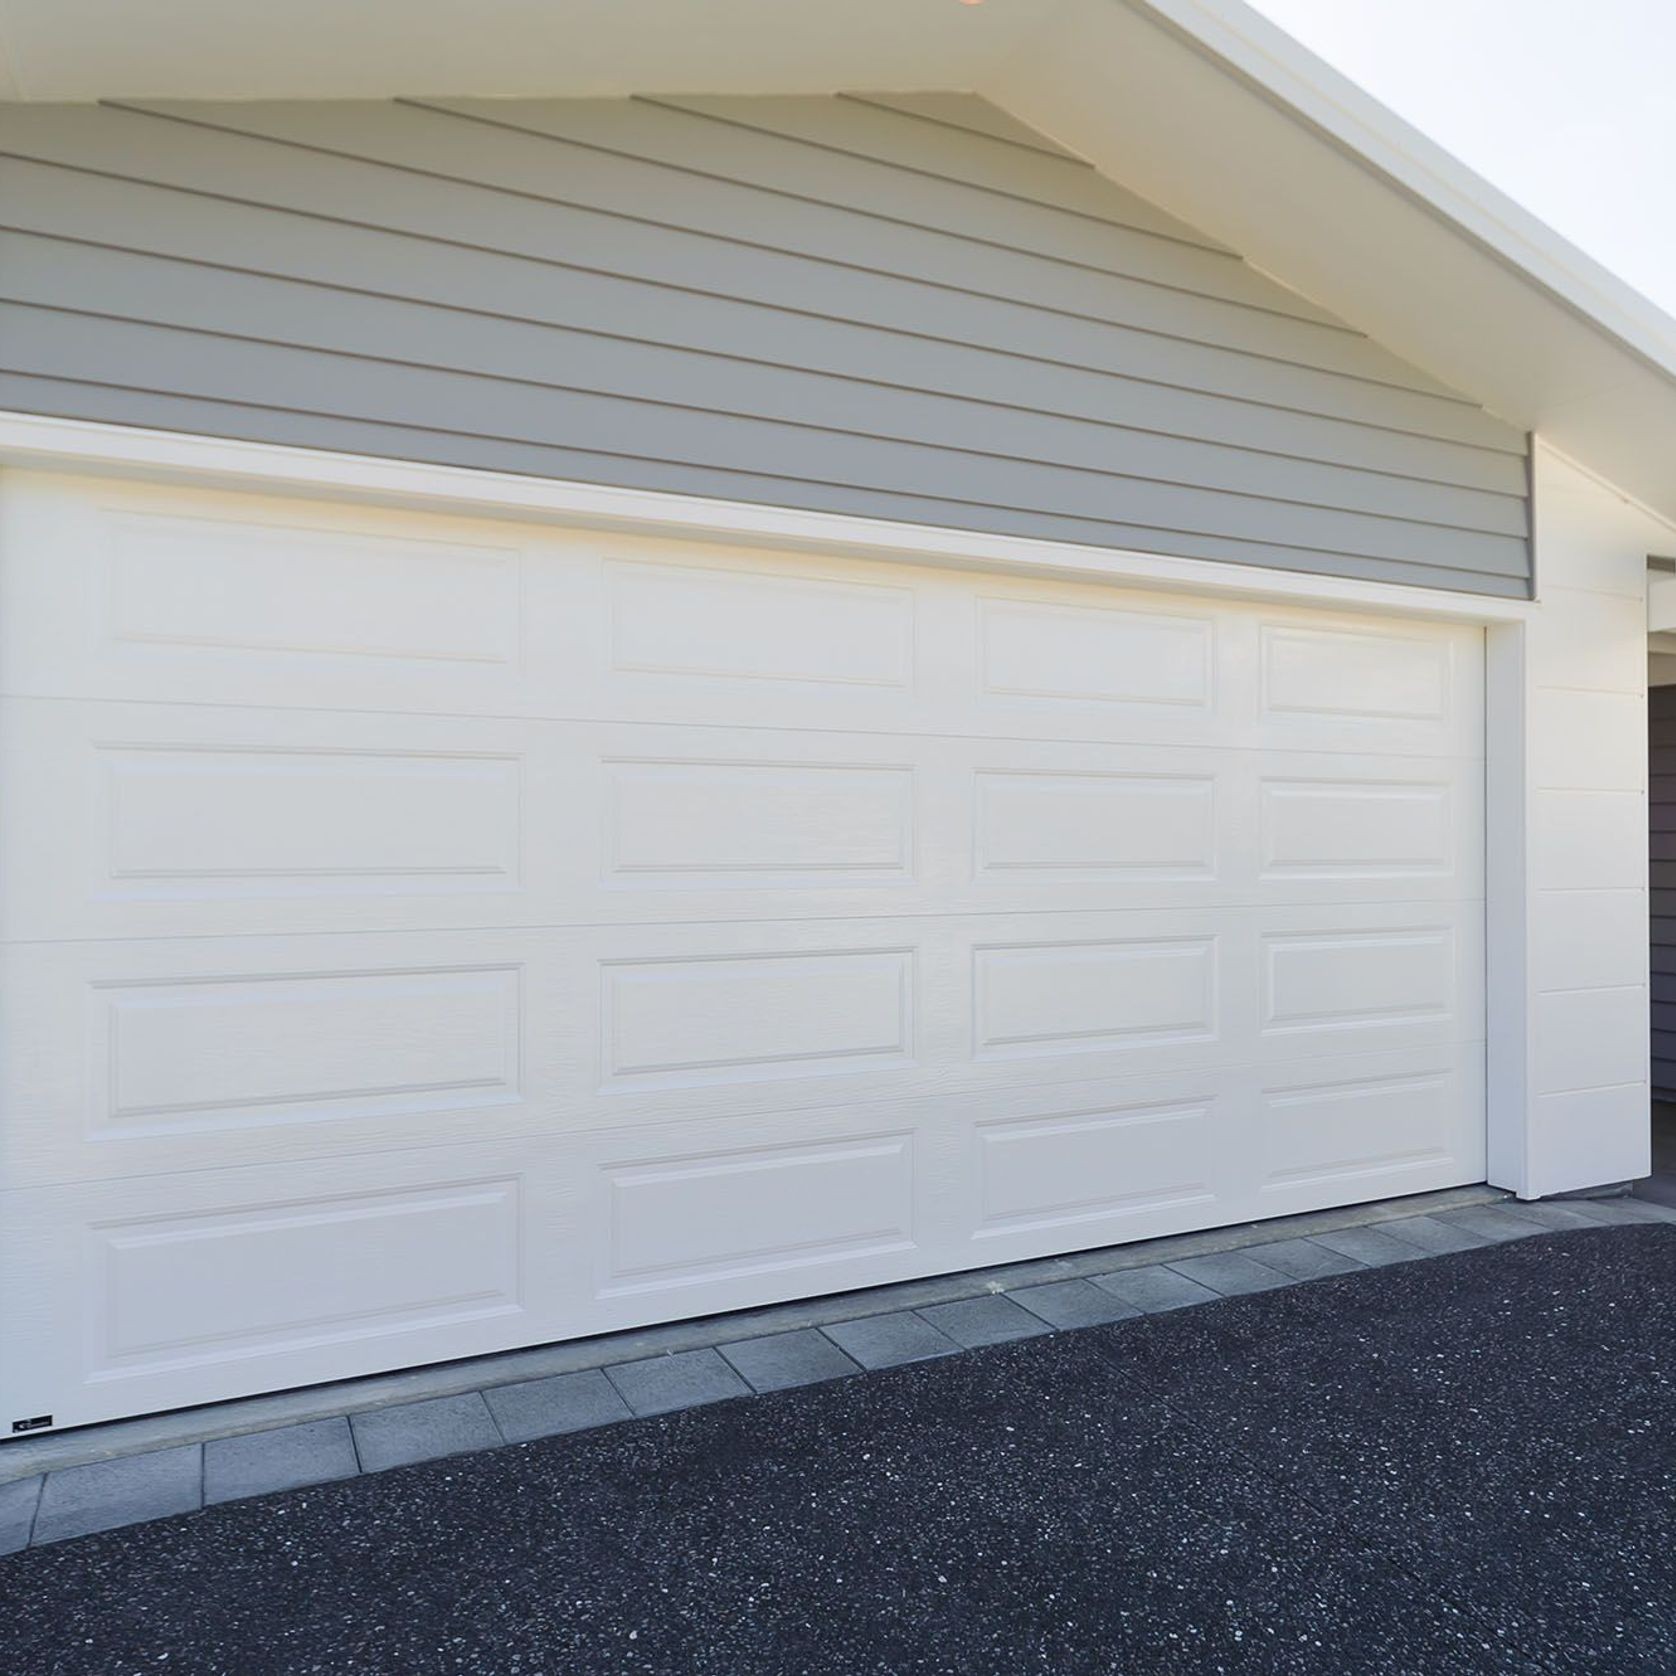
(1569, 106)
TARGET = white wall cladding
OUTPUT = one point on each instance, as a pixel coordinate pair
(843, 304)
(1576, 802)
(429, 935)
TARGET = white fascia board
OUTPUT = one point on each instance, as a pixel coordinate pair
(1252, 47)
(31, 441)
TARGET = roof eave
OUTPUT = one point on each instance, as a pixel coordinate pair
(1218, 116)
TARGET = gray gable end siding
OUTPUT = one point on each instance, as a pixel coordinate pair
(902, 308)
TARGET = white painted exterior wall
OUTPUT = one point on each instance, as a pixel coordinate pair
(1573, 801)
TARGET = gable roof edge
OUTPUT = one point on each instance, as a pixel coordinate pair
(1209, 111)
(1308, 89)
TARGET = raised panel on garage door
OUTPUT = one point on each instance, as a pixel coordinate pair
(537, 932)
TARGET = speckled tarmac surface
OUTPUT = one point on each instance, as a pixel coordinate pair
(1461, 1465)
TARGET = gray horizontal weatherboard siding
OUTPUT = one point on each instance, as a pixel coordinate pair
(903, 309)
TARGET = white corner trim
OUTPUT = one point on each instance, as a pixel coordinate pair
(42, 443)
(1661, 603)
(1507, 916)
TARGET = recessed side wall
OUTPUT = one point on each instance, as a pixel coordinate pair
(1571, 795)
(1661, 878)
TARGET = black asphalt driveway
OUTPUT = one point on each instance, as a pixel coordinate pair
(1460, 1465)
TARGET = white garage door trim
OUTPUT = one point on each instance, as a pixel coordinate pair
(478, 1208)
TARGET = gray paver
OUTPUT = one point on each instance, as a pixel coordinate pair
(1304, 1259)
(1232, 1273)
(1640, 1210)
(1074, 1303)
(662, 1384)
(1595, 1212)
(17, 1512)
(567, 1402)
(1426, 1233)
(1494, 1222)
(778, 1361)
(423, 1431)
(1154, 1288)
(1371, 1247)
(286, 1458)
(886, 1341)
(975, 1322)
(1557, 1216)
(127, 1491)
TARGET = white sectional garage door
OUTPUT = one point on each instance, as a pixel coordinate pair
(429, 936)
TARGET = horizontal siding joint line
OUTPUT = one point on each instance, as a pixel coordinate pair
(1592, 1088)
(1044, 150)
(657, 102)
(1596, 989)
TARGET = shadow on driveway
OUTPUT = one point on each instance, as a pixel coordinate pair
(1466, 1464)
